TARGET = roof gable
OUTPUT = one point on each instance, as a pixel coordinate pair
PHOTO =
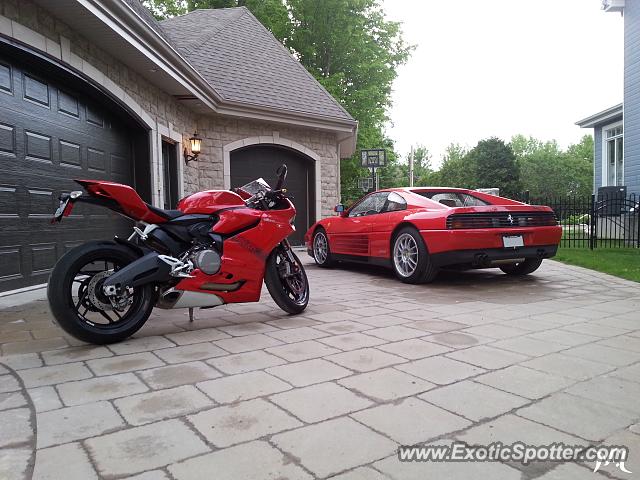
(245, 63)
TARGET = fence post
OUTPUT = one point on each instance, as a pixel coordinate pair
(594, 224)
(636, 204)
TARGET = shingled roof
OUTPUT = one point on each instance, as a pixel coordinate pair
(245, 63)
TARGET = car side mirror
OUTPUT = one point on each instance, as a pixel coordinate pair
(340, 209)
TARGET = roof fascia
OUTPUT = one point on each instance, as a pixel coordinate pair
(601, 117)
(121, 18)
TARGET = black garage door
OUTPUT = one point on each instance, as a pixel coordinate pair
(253, 162)
(50, 132)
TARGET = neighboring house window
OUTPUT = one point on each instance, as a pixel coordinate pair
(613, 156)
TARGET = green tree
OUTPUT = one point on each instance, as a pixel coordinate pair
(422, 171)
(162, 9)
(549, 171)
(273, 14)
(495, 165)
(455, 170)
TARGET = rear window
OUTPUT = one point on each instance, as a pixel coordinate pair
(453, 199)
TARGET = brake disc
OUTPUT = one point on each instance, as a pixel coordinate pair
(92, 291)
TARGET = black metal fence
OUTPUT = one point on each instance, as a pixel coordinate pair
(596, 221)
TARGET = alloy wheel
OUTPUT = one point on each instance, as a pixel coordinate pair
(405, 254)
(320, 247)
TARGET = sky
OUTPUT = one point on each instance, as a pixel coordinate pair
(485, 68)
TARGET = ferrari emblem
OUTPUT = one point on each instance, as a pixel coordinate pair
(510, 219)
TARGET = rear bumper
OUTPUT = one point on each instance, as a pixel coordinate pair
(440, 241)
(484, 257)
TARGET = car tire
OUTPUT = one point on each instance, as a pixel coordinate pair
(530, 265)
(410, 258)
(321, 250)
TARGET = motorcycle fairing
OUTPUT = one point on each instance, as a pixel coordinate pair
(242, 252)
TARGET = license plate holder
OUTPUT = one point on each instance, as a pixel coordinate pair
(64, 202)
(512, 241)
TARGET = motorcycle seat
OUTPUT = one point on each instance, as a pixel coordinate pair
(166, 214)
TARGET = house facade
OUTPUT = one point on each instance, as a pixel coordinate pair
(100, 89)
(617, 129)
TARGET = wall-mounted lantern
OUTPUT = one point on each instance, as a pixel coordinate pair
(196, 148)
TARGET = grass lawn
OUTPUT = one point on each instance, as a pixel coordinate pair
(621, 262)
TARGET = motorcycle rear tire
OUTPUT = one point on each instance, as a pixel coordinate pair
(60, 288)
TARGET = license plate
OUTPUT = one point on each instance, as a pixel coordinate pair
(512, 241)
(60, 211)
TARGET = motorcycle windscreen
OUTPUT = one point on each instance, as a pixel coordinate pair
(257, 186)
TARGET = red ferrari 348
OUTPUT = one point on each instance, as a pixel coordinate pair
(416, 231)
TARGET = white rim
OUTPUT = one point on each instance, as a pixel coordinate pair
(405, 255)
(320, 248)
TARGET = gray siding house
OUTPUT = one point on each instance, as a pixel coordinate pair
(617, 129)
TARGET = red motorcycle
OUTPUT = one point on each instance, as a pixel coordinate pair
(218, 247)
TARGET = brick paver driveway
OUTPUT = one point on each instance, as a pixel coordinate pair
(247, 392)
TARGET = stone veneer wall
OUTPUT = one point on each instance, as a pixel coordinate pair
(164, 114)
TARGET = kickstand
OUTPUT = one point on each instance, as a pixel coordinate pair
(191, 315)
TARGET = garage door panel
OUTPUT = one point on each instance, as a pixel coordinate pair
(10, 265)
(35, 90)
(43, 257)
(96, 160)
(37, 146)
(70, 154)
(68, 105)
(94, 117)
(7, 139)
(8, 202)
(6, 83)
(47, 138)
(40, 202)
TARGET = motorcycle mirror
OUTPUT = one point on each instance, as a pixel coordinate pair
(282, 175)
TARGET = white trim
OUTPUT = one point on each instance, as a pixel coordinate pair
(274, 139)
(604, 181)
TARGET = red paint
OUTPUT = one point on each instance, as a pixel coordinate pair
(244, 254)
(130, 202)
(370, 236)
(210, 201)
